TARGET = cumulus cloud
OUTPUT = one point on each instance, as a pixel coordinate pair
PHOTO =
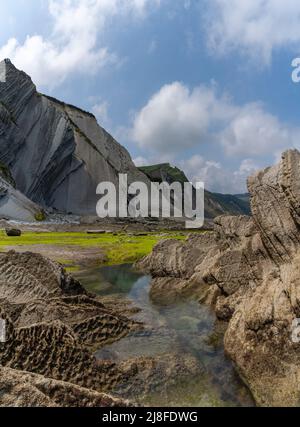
(176, 119)
(255, 132)
(256, 27)
(74, 44)
(216, 177)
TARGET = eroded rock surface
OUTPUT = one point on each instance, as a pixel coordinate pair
(52, 326)
(24, 389)
(248, 270)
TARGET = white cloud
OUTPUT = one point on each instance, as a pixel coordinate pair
(255, 132)
(176, 119)
(216, 177)
(256, 27)
(75, 41)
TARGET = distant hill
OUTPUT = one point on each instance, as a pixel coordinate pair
(215, 204)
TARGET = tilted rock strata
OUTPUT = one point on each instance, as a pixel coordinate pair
(24, 389)
(249, 271)
(57, 154)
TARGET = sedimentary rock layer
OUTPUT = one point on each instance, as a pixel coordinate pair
(56, 153)
(248, 270)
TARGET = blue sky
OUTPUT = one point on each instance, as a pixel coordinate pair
(203, 84)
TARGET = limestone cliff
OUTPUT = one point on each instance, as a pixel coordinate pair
(56, 153)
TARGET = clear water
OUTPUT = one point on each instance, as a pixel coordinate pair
(185, 328)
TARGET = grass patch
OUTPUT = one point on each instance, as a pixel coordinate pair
(120, 248)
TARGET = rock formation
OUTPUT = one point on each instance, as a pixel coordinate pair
(24, 389)
(52, 327)
(13, 204)
(248, 270)
(56, 153)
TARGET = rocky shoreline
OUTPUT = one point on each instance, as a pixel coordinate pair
(247, 270)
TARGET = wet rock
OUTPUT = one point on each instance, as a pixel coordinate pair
(146, 375)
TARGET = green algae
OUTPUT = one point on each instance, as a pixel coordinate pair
(119, 248)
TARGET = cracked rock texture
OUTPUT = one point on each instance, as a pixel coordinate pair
(248, 270)
(57, 154)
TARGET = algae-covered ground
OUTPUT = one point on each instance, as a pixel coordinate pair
(76, 248)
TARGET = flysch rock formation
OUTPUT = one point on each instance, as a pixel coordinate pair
(248, 270)
(14, 205)
(24, 389)
(52, 329)
(57, 154)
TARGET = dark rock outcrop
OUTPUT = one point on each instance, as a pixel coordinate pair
(13, 232)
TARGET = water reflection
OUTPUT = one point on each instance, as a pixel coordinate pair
(185, 328)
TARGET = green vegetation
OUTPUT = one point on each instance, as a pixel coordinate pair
(155, 172)
(119, 248)
(40, 216)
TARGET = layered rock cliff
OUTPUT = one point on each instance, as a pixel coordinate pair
(248, 271)
(56, 153)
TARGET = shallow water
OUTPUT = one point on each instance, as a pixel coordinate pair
(187, 329)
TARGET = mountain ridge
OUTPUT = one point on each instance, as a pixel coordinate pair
(215, 203)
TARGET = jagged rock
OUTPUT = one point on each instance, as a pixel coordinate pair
(52, 325)
(252, 268)
(13, 232)
(57, 154)
(24, 389)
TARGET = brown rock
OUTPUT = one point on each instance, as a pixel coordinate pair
(252, 266)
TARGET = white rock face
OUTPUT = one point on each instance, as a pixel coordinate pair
(14, 205)
(56, 153)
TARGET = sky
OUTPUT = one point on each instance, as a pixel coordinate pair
(205, 85)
